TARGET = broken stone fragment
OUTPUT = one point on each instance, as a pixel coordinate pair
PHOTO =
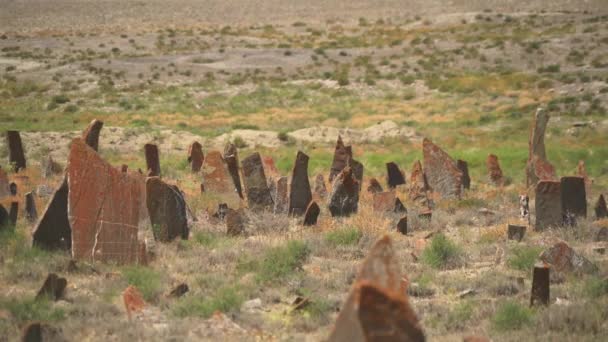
(563, 258)
(53, 287)
(394, 176)
(312, 214)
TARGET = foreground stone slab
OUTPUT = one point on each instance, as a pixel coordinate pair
(394, 176)
(540, 293)
(231, 157)
(53, 230)
(312, 214)
(548, 205)
(601, 209)
(574, 197)
(152, 160)
(441, 172)
(195, 156)
(91, 134)
(167, 210)
(106, 208)
(53, 287)
(563, 258)
(344, 198)
(463, 166)
(300, 194)
(342, 154)
(494, 170)
(16, 156)
(256, 186)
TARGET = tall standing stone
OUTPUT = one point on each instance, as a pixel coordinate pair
(320, 188)
(418, 185)
(216, 178)
(281, 199)
(538, 167)
(91, 134)
(16, 156)
(13, 213)
(342, 154)
(394, 176)
(494, 170)
(30, 207)
(167, 210)
(540, 285)
(463, 166)
(357, 169)
(548, 205)
(231, 157)
(53, 230)
(300, 194)
(601, 209)
(152, 160)
(256, 187)
(441, 172)
(574, 197)
(312, 214)
(344, 198)
(195, 156)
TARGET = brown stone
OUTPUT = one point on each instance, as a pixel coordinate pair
(344, 198)
(195, 156)
(231, 157)
(300, 194)
(563, 258)
(399, 207)
(601, 209)
(385, 315)
(418, 184)
(270, 168)
(402, 225)
(167, 210)
(312, 214)
(540, 285)
(357, 169)
(342, 154)
(374, 186)
(494, 170)
(574, 197)
(394, 176)
(53, 287)
(30, 207)
(281, 198)
(152, 160)
(581, 171)
(53, 230)
(256, 187)
(106, 208)
(179, 290)
(41, 332)
(4, 218)
(235, 224)
(463, 166)
(133, 299)
(515, 232)
(91, 134)
(548, 205)
(13, 213)
(4, 191)
(320, 188)
(384, 201)
(12, 188)
(16, 157)
(216, 178)
(441, 172)
(538, 167)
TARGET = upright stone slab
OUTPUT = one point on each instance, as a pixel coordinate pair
(53, 230)
(106, 208)
(254, 179)
(463, 166)
(167, 210)
(548, 205)
(574, 197)
(601, 209)
(300, 195)
(152, 160)
(281, 199)
(91, 134)
(441, 172)
(384, 201)
(312, 214)
(320, 188)
(418, 184)
(538, 167)
(342, 154)
(53, 287)
(394, 176)
(540, 285)
(494, 170)
(31, 214)
(374, 186)
(344, 198)
(195, 156)
(216, 178)
(13, 213)
(4, 191)
(402, 225)
(16, 156)
(357, 169)
(12, 188)
(231, 157)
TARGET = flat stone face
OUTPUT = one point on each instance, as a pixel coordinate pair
(574, 196)
(312, 214)
(601, 209)
(31, 214)
(548, 205)
(394, 176)
(384, 201)
(494, 170)
(300, 194)
(231, 158)
(106, 208)
(16, 156)
(344, 198)
(256, 187)
(167, 210)
(152, 160)
(418, 184)
(320, 188)
(441, 172)
(195, 156)
(538, 167)
(341, 156)
(463, 166)
(270, 169)
(91, 134)
(216, 178)
(53, 230)
(563, 258)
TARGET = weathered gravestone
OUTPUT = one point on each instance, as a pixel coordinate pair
(231, 157)
(342, 154)
(538, 167)
(374, 186)
(195, 156)
(601, 209)
(494, 170)
(167, 210)
(256, 187)
(216, 178)
(152, 160)
(344, 198)
(563, 258)
(312, 214)
(16, 156)
(515, 232)
(91, 134)
(320, 188)
(53, 230)
(574, 197)
(463, 166)
(281, 198)
(540, 285)
(418, 185)
(53, 287)
(548, 205)
(394, 176)
(31, 214)
(441, 172)
(299, 189)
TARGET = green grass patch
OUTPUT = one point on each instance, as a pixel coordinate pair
(343, 237)
(224, 299)
(147, 280)
(30, 309)
(441, 253)
(595, 287)
(277, 263)
(511, 315)
(522, 258)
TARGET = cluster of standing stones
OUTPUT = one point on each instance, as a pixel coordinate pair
(101, 213)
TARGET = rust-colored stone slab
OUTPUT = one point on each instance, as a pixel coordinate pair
(515, 232)
(387, 316)
(152, 160)
(235, 223)
(540, 285)
(574, 197)
(538, 167)
(300, 194)
(374, 186)
(281, 199)
(167, 210)
(394, 176)
(418, 185)
(53, 287)
(4, 191)
(195, 156)
(256, 186)
(441, 172)
(463, 166)
(53, 230)
(494, 170)
(16, 156)
(563, 258)
(231, 157)
(312, 214)
(31, 214)
(91, 134)
(105, 208)
(384, 201)
(342, 154)
(216, 178)
(601, 209)
(270, 169)
(548, 205)
(344, 198)
(320, 188)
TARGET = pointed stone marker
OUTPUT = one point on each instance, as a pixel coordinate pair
(463, 166)
(374, 186)
(91, 134)
(344, 198)
(342, 154)
(402, 225)
(548, 205)
(601, 209)
(152, 160)
(441, 171)
(312, 214)
(300, 194)
(256, 186)
(394, 176)
(53, 230)
(30, 207)
(195, 156)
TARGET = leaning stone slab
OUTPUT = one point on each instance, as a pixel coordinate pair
(195, 156)
(231, 157)
(342, 154)
(538, 167)
(563, 258)
(300, 194)
(548, 205)
(344, 198)
(441, 172)
(167, 210)
(53, 231)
